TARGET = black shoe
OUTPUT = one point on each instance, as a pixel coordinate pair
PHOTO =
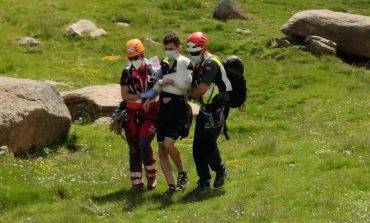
(220, 178)
(182, 180)
(203, 186)
(171, 189)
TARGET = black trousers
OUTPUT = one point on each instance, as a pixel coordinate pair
(206, 154)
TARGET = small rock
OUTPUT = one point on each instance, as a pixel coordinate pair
(28, 41)
(98, 33)
(320, 39)
(81, 27)
(243, 31)
(3, 150)
(228, 9)
(320, 46)
(279, 43)
(123, 24)
(103, 121)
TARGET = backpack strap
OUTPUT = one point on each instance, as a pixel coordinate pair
(223, 73)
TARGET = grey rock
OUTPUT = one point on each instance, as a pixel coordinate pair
(32, 114)
(92, 102)
(28, 41)
(350, 32)
(98, 33)
(279, 43)
(123, 24)
(97, 101)
(103, 121)
(320, 46)
(228, 9)
(243, 31)
(81, 27)
(85, 26)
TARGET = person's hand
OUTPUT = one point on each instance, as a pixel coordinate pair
(146, 106)
(165, 82)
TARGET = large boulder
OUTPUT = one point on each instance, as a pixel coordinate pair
(228, 9)
(32, 114)
(91, 103)
(350, 32)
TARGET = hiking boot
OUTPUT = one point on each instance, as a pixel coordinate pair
(152, 183)
(202, 186)
(171, 189)
(182, 180)
(220, 178)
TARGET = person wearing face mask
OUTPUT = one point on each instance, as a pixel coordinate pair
(174, 109)
(211, 87)
(139, 124)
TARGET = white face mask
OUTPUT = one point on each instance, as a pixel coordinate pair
(137, 63)
(171, 54)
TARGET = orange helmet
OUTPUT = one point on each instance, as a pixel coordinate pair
(134, 47)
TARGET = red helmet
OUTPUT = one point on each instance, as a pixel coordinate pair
(196, 42)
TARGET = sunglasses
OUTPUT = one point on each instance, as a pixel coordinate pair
(195, 53)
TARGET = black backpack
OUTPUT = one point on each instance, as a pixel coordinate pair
(235, 73)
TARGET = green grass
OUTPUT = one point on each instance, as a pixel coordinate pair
(299, 153)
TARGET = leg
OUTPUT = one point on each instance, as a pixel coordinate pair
(200, 150)
(165, 164)
(182, 179)
(169, 146)
(215, 161)
(132, 131)
(146, 135)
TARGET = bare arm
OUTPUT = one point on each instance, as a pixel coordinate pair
(198, 92)
(126, 96)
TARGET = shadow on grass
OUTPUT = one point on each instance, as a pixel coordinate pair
(134, 199)
(164, 199)
(198, 196)
(190, 197)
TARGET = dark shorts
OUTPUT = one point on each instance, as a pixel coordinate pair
(173, 114)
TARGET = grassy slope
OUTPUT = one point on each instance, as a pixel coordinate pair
(299, 153)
